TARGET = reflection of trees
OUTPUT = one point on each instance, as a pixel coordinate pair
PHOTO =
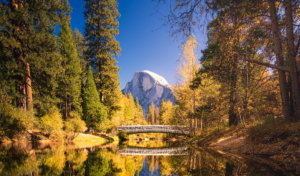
(202, 163)
(54, 162)
(196, 163)
(107, 162)
(13, 162)
(129, 165)
(97, 165)
(153, 162)
(74, 162)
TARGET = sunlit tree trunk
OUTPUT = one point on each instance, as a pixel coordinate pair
(28, 88)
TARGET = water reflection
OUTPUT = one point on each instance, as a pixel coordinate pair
(62, 160)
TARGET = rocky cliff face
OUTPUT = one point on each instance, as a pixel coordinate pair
(149, 87)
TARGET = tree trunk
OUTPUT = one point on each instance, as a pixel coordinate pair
(245, 114)
(28, 88)
(286, 107)
(233, 118)
(66, 104)
(229, 169)
(292, 59)
(99, 87)
(23, 98)
(194, 111)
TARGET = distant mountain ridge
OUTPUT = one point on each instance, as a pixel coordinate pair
(149, 87)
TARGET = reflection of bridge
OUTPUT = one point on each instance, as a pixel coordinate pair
(154, 129)
(154, 151)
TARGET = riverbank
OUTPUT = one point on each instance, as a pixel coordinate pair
(276, 143)
(38, 139)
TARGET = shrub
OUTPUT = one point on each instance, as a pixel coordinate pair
(52, 124)
(74, 125)
(14, 121)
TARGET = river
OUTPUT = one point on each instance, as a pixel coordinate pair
(109, 160)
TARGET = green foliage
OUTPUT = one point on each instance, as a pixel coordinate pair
(52, 124)
(26, 37)
(70, 85)
(14, 121)
(81, 46)
(74, 124)
(94, 112)
(17, 162)
(100, 31)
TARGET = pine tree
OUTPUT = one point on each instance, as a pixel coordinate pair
(151, 114)
(100, 31)
(81, 46)
(94, 112)
(28, 48)
(70, 86)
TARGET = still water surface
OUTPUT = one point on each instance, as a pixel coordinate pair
(130, 160)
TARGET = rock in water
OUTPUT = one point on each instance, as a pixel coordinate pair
(149, 87)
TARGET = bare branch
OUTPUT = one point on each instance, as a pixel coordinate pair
(282, 68)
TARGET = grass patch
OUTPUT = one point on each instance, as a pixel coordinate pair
(273, 130)
(86, 140)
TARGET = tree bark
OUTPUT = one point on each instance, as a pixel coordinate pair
(286, 108)
(66, 104)
(245, 114)
(292, 59)
(233, 118)
(28, 88)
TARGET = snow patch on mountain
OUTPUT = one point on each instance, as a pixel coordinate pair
(157, 77)
(149, 87)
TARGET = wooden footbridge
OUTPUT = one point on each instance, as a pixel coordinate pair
(174, 129)
(154, 151)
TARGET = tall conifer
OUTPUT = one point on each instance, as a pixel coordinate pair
(94, 113)
(28, 51)
(71, 78)
(100, 31)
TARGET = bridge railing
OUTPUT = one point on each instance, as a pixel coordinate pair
(154, 128)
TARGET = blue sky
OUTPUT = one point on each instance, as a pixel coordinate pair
(144, 38)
